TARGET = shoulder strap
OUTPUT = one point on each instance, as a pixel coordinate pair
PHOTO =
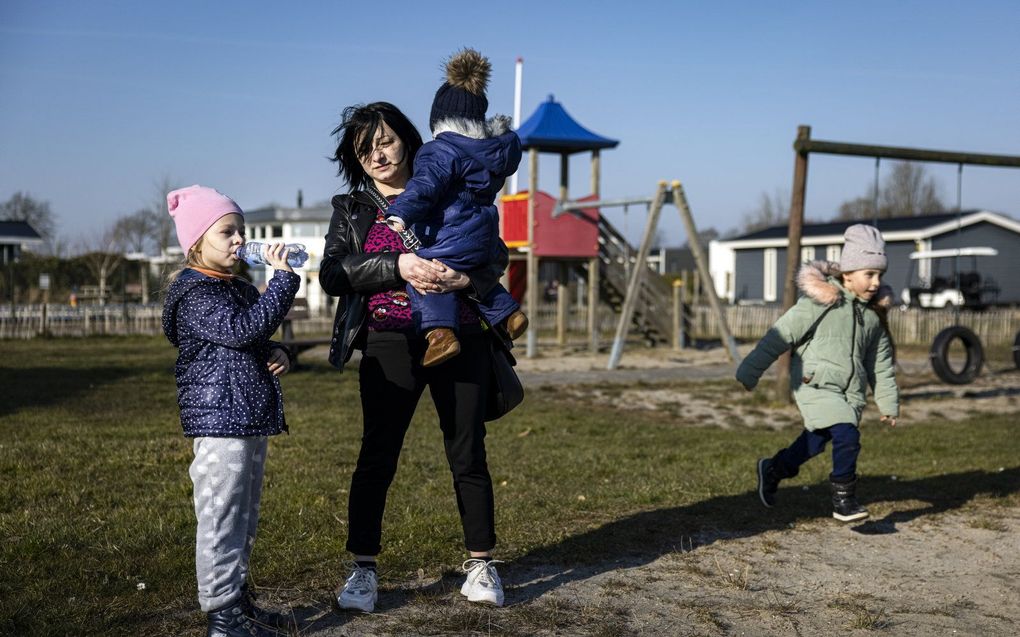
(411, 241)
(810, 333)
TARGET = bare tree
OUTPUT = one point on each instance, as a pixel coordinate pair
(135, 231)
(771, 211)
(102, 256)
(23, 207)
(907, 191)
(162, 224)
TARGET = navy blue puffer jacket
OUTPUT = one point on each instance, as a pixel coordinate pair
(449, 199)
(222, 329)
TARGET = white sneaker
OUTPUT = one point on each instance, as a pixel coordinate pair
(482, 583)
(360, 591)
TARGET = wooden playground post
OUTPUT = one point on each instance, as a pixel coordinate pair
(562, 292)
(680, 200)
(636, 275)
(593, 304)
(800, 166)
(531, 294)
(678, 321)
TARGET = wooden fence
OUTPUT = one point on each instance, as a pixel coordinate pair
(748, 322)
(911, 326)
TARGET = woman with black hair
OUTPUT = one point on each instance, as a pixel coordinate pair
(368, 266)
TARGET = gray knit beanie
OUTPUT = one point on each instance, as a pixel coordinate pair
(863, 249)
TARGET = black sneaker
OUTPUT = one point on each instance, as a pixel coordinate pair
(768, 482)
(282, 622)
(845, 507)
(233, 622)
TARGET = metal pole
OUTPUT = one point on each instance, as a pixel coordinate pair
(800, 166)
(708, 288)
(636, 275)
(518, 83)
(531, 293)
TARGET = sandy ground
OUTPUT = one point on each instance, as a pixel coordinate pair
(914, 568)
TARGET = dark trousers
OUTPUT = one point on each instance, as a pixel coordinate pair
(440, 310)
(392, 381)
(846, 445)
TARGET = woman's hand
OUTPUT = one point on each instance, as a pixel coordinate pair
(279, 362)
(450, 279)
(276, 255)
(423, 275)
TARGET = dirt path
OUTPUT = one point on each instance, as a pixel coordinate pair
(915, 568)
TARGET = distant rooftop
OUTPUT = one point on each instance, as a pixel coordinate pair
(894, 224)
(18, 232)
(272, 212)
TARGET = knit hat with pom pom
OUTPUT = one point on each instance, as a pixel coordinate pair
(462, 95)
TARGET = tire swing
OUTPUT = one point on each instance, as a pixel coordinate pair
(939, 355)
(1016, 350)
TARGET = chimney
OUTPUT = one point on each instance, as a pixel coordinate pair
(300, 199)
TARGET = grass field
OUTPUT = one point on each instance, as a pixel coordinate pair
(95, 500)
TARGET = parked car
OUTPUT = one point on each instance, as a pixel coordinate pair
(954, 286)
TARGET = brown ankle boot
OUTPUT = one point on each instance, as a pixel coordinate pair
(443, 345)
(516, 324)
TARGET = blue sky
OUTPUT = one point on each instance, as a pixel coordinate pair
(99, 100)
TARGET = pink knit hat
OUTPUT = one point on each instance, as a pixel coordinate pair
(195, 209)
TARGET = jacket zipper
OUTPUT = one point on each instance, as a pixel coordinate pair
(349, 340)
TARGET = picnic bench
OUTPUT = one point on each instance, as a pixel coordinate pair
(298, 311)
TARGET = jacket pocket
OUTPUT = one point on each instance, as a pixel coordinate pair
(817, 374)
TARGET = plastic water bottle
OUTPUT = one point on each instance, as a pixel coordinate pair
(254, 253)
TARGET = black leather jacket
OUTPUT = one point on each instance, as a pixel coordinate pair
(347, 272)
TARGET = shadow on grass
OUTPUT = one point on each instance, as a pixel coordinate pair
(48, 386)
(641, 538)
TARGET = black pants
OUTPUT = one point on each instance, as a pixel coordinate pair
(392, 382)
(846, 446)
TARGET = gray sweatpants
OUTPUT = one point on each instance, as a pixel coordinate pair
(227, 474)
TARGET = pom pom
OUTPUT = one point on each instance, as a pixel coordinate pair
(468, 70)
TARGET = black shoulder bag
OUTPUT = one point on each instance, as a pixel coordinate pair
(505, 389)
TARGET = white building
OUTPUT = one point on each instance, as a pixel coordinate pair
(307, 226)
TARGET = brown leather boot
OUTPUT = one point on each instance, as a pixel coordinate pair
(443, 345)
(516, 324)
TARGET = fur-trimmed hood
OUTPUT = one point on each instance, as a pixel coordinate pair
(495, 126)
(819, 280)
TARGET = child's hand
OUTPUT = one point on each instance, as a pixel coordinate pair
(395, 224)
(279, 362)
(889, 419)
(276, 255)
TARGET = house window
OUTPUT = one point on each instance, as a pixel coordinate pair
(769, 272)
(303, 229)
(807, 254)
(832, 253)
(275, 231)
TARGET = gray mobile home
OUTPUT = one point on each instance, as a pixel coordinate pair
(751, 269)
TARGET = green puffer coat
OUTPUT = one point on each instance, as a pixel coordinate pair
(850, 352)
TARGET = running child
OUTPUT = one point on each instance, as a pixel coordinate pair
(841, 347)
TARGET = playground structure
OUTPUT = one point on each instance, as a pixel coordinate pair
(573, 233)
(940, 354)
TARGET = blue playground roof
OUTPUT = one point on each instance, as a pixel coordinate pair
(550, 129)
